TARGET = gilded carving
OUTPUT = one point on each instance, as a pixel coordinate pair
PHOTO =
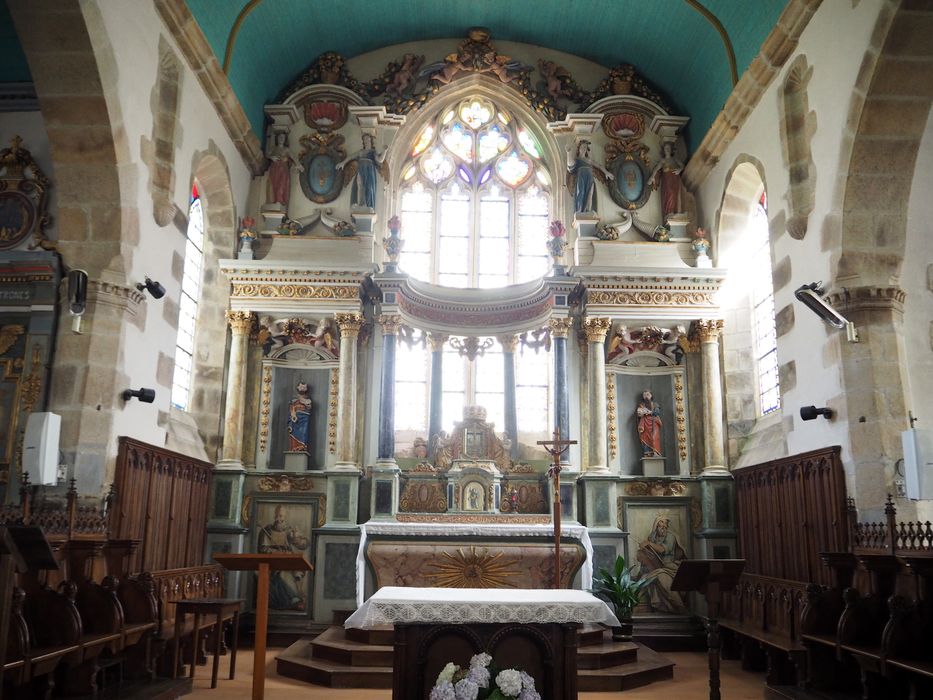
(24, 191)
(33, 383)
(473, 570)
(523, 497)
(390, 323)
(709, 330)
(252, 290)
(509, 343)
(319, 497)
(332, 411)
(471, 347)
(680, 416)
(265, 408)
(519, 468)
(655, 487)
(611, 415)
(8, 336)
(645, 298)
(560, 327)
(240, 322)
(474, 519)
(437, 341)
(286, 482)
(420, 496)
(696, 514)
(596, 328)
(349, 323)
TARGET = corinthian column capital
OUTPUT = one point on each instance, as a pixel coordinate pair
(709, 330)
(390, 323)
(595, 328)
(240, 322)
(560, 327)
(349, 323)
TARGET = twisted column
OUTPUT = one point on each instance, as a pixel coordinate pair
(241, 323)
(349, 324)
(390, 324)
(560, 329)
(708, 332)
(597, 446)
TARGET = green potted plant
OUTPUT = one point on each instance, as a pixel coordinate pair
(622, 592)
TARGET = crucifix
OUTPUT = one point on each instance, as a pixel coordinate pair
(556, 448)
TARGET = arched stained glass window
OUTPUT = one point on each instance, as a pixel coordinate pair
(475, 199)
(762, 297)
(190, 296)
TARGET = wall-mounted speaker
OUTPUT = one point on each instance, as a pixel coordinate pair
(40, 447)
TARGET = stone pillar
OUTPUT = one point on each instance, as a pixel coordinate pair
(709, 332)
(390, 324)
(598, 448)
(509, 343)
(349, 324)
(436, 341)
(560, 329)
(241, 323)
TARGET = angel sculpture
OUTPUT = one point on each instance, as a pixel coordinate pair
(552, 74)
(364, 167)
(582, 173)
(405, 75)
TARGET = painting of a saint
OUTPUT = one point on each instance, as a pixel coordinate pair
(299, 420)
(287, 590)
(648, 418)
(659, 555)
(473, 497)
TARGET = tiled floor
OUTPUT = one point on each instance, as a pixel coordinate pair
(690, 682)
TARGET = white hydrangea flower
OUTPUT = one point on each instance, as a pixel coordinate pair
(509, 682)
(466, 689)
(448, 673)
(444, 690)
(483, 659)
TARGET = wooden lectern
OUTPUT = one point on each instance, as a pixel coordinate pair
(262, 564)
(712, 578)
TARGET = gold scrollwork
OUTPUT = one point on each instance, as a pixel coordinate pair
(680, 416)
(473, 570)
(420, 496)
(645, 298)
(286, 482)
(655, 487)
(251, 290)
(33, 383)
(265, 408)
(319, 497)
(332, 412)
(611, 415)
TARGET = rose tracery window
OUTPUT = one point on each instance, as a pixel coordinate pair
(475, 200)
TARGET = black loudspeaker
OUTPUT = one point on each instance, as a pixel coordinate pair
(77, 292)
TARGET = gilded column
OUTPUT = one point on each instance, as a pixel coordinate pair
(560, 329)
(349, 324)
(390, 324)
(435, 413)
(241, 323)
(509, 343)
(708, 332)
(598, 449)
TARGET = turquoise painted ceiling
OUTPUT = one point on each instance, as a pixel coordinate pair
(13, 66)
(668, 41)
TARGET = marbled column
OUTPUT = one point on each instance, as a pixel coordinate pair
(349, 324)
(509, 343)
(560, 329)
(436, 341)
(390, 324)
(598, 448)
(241, 323)
(708, 333)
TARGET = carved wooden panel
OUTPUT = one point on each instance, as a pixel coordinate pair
(185, 584)
(789, 510)
(161, 499)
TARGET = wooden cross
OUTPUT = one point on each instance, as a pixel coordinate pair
(556, 448)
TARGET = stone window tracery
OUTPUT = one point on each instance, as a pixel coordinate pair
(188, 303)
(762, 297)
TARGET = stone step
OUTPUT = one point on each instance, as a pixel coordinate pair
(334, 645)
(380, 636)
(648, 668)
(296, 662)
(607, 655)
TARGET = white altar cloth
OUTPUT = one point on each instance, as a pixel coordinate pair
(392, 604)
(392, 527)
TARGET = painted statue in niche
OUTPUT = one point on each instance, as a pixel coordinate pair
(648, 421)
(286, 588)
(279, 174)
(474, 497)
(659, 557)
(582, 175)
(365, 166)
(299, 420)
(666, 178)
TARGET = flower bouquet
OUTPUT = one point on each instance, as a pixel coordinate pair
(480, 682)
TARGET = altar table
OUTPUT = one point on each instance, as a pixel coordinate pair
(531, 630)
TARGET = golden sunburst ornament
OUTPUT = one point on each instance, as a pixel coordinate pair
(473, 570)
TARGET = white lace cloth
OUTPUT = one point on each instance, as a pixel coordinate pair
(394, 604)
(393, 528)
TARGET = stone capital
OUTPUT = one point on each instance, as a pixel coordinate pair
(390, 323)
(437, 341)
(509, 343)
(854, 300)
(709, 330)
(596, 328)
(349, 323)
(240, 322)
(560, 327)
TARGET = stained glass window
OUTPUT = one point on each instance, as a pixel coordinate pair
(769, 390)
(190, 296)
(475, 200)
